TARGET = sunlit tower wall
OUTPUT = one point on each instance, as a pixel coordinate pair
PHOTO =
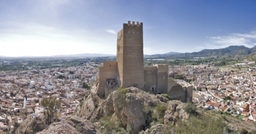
(130, 55)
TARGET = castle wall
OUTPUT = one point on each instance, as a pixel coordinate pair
(189, 94)
(130, 55)
(128, 69)
(162, 77)
(150, 79)
(180, 90)
(176, 91)
(119, 56)
(107, 71)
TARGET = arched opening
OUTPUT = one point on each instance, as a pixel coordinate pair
(153, 89)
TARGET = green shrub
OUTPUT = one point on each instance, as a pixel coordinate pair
(148, 112)
(79, 127)
(243, 131)
(190, 108)
(201, 125)
(85, 85)
(227, 98)
(107, 124)
(178, 76)
(61, 77)
(166, 96)
(120, 98)
(81, 103)
(159, 111)
(52, 105)
(96, 104)
(110, 126)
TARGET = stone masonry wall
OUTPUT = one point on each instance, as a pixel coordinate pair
(162, 78)
(108, 70)
(150, 79)
(176, 91)
(130, 57)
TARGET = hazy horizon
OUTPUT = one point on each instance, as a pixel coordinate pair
(65, 27)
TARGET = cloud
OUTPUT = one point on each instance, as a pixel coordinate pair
(245, 39)
(39, 40)
(111, 31)
(251, 35)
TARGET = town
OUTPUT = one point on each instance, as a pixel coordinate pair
(21, 91)
(229, 91)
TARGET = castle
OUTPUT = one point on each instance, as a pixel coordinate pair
(128, 69)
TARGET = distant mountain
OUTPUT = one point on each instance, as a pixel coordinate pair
(172, 53)
(228, 51)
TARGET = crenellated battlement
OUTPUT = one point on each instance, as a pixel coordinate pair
(133, 23)
(162, 67)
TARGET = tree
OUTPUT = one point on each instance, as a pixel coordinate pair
(71, 72)
(52, 105)
(177, 76)
(61, 77)
(227, 98)
(85, 85)
(12, 94)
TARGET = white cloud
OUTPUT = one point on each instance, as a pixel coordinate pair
(251, 35)
(111, 31)
(39, 40)
(245, 39)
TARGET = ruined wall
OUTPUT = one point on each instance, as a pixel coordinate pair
(162, 77)
(120, 56)
(180, 90)
(176, 91)
(189, 93)
(150, 79)
(107, 71)
(130, 55)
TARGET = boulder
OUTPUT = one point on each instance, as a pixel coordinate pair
(31, 125)
(175, 110)
(71, 125)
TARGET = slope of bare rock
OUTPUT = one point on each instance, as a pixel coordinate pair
(70, 125)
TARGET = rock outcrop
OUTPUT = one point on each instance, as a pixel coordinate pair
(131, 109)
(64, 125)
(88, 106)
(175, 111)
(70, 125)
(32, 125)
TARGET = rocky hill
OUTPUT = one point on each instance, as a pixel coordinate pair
(131, 110)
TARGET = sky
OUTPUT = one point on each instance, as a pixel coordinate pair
(63, 27)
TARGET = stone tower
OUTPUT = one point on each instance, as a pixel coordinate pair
(130, 55)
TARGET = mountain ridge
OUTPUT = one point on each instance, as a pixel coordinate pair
(227, 51)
